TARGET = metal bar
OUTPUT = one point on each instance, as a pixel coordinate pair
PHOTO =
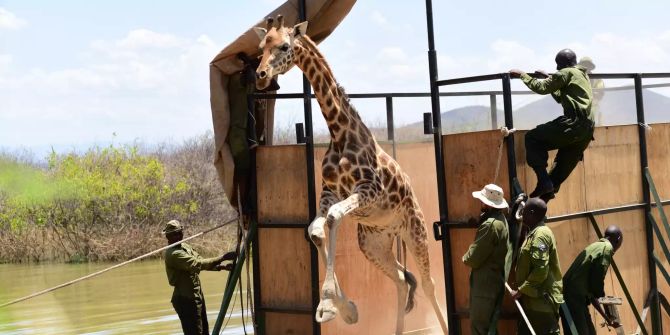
(659, 236)
(311, 188)
(494, 111)
(233, 277)
(454, 324)
(655, 75)
(509, 123)
(649, 233)
(390, 125)
(285, 310)
(661, 268)
(594, 224)
(465, 80)
(657, 201)
(584, 214)
(427, 95)
(283, 225)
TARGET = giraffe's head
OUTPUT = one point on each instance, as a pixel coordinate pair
(277, 48)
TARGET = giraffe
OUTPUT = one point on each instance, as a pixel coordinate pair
(359, 180)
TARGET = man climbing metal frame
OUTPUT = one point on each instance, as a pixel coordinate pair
(570, 133)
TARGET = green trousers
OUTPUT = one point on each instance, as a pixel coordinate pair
(571, 137)
(482, 312)
(580, 317)
(544, 322)
(192, 314)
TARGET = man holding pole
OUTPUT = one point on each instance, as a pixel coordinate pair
(183, 265)
(490, 257)
(538, 273)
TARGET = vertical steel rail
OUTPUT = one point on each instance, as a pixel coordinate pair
(509, 123)
(494, 111)
(454, 326)
(653, 285)
(311, 188)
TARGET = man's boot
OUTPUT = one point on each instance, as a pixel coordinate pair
(544, 184)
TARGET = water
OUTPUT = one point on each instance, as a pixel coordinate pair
(134, 299)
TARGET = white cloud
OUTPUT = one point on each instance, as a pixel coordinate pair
(5, 62)
(9, 20)
(378, 18)
(146, 84)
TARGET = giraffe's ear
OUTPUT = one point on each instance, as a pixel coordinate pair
(261, 32)
(300, 29)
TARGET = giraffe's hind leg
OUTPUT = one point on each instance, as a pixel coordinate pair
(416, 238)
(377, 246)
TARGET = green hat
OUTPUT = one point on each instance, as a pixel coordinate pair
(172, 227)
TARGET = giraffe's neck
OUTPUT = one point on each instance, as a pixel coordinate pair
(341, 117)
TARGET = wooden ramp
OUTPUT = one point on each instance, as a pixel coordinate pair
(609, 176)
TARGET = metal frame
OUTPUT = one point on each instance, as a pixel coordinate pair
(442, 227)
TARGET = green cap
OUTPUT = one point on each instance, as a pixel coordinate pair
(172, 227)
(587, 62)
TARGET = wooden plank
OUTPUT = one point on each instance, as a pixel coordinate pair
(287, 324)
(659, 160)
(612, 167)
(284, 268)
(470, 163)
(282, 184)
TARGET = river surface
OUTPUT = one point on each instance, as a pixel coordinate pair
(133, 299)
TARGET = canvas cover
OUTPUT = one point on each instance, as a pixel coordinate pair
(323, 17)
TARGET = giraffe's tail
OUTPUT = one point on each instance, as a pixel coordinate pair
(411, 281)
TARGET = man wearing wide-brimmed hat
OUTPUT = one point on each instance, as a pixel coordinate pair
(597, 86)
(490, 257)
(183, 265)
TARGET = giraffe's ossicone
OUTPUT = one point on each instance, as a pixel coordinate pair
(360, 180)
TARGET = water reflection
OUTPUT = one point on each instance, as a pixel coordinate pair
(134, 299)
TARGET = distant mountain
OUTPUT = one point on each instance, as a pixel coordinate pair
(615, 108)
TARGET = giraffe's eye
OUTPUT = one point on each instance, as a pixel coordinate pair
(284, 47)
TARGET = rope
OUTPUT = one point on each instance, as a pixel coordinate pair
(505, 132)
(115, 266)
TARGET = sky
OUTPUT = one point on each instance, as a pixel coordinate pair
(79, 73)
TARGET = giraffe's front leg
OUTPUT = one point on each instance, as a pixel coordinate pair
(338, 302)
(332, 296)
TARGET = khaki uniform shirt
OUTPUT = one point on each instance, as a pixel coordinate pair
(182, 265)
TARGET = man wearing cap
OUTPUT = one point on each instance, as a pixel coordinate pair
(570, 133)
(584, 282)
(538, 273)
(490, 257)
(182, 265)
(597, 86)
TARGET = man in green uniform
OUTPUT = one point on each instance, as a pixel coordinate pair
(183, 265)
(584, 282)
(490, 257)
(597, 86)
(538, 273)
(570, 133)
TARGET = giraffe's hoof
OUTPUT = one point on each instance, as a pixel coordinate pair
(326, 311)
(349, 313)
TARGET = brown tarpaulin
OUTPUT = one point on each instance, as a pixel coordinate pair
(323, 17)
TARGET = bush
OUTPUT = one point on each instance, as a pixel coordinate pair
(109, 203)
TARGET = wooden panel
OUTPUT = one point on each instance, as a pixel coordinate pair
(287, 324)
(284, 268)
(282, 184)
(659, 161)
(612, 167)
(470, 163)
